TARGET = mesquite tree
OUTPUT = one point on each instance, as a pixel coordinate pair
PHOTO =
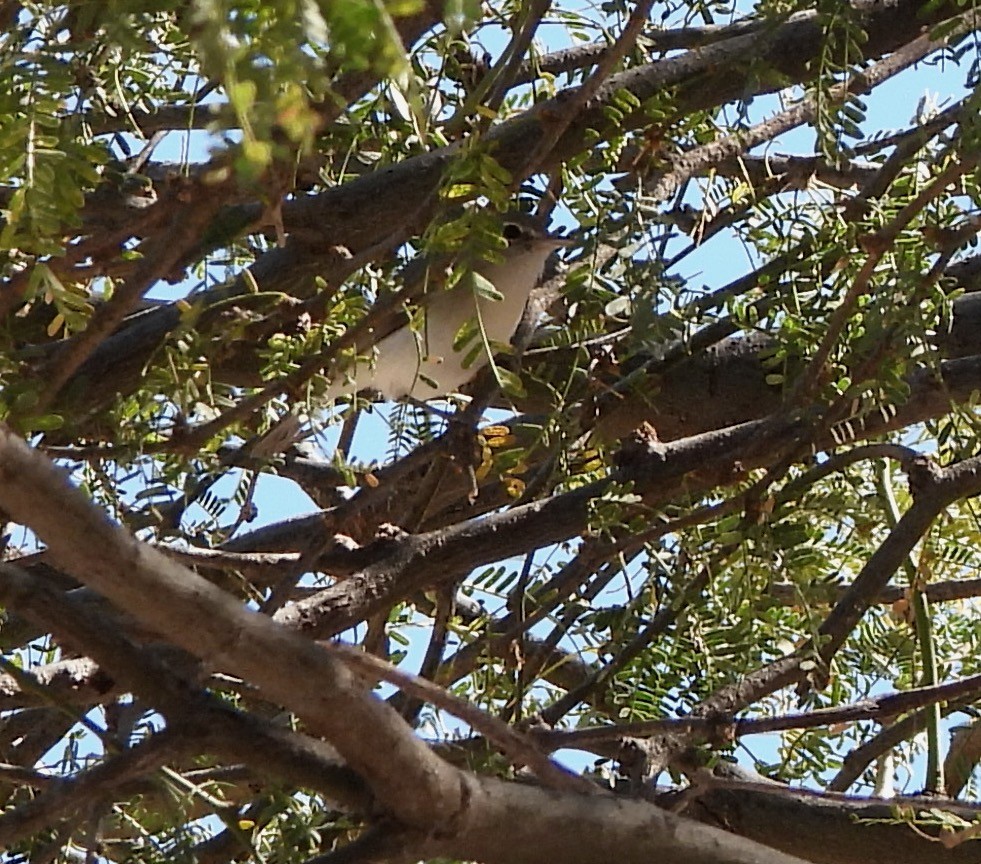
(691, 557)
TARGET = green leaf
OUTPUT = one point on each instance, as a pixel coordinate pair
(45, 423)
(484, 288)
(510, 383)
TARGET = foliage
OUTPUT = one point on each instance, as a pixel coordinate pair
(677, 498)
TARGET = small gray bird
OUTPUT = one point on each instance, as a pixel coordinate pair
(422, 363)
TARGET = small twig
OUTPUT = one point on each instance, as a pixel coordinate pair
(839, 461)
(925, 637)
(499, 79)
(445, 608)
(144, 155)
(245, 511)
(885, 740)
(348, 429)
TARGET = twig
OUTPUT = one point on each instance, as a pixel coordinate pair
(445, 607)
(500, 78)
(196, 557)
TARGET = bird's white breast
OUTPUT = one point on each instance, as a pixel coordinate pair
(409, 362)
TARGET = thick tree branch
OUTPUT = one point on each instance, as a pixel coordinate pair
(410, 782)
(159, 676)
(472, 813)
(537, 826)
(837, 829)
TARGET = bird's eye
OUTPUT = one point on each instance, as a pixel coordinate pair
(513, 232)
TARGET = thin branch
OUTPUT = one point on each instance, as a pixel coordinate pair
(837, 462)
(494, 85)
(721, 729)
(62, 799)
(936, 592)
(195, 557)
(859, 759)
(520, 749)
(445, 609)
(734, 145)
(594, 557)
